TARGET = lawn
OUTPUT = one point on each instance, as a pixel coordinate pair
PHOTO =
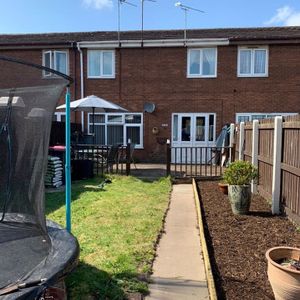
(117, 228)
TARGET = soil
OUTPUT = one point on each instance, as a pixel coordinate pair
(237, 244)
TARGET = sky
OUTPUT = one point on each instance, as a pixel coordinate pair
(40, 16)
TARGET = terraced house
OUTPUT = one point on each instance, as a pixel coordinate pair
(174, 88)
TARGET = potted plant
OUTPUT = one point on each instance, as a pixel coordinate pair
(223, 187)
(238, 176)
(284, 272)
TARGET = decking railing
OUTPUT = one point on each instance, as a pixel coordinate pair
(197, 161)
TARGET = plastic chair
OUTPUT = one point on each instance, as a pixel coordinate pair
(123, 159)
(112, 156)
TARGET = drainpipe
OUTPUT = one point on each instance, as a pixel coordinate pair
(81, 83)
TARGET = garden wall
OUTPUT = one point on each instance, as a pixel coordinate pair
(273, 145)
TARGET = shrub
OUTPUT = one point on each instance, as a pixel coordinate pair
(240, 173)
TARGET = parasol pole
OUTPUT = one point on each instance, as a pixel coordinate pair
(94, 134)
(68, 161)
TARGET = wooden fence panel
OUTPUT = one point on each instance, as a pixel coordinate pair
(265, 157)
(248, 142)
(290, 161)
(236, 140)
(290, 167)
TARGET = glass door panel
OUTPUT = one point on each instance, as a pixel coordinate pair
(186, 129)
(200, 129)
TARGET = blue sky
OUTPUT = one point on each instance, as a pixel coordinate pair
(25, 16)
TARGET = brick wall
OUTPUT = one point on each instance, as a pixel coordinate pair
(158, 75)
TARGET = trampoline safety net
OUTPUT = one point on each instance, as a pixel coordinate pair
(28, 98)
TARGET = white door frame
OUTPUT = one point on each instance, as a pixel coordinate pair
(192, 143)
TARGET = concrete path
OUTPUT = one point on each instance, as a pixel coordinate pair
(178, 271)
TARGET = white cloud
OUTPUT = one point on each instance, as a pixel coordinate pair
(286, 16)
(99, 4)
(293, 20)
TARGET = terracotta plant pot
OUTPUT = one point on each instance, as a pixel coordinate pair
(285, 282)
(240, 198)
(223, 188)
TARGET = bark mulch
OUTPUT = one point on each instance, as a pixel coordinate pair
(237, 244)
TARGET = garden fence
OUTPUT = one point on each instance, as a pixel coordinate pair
(101, 160)
(273, 145)
(197, 162)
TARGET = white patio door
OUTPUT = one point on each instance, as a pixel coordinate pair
(190, 131)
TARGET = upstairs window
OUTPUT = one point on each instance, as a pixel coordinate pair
(101, 64)
(202, 62)
(57, 60)
(253, 62)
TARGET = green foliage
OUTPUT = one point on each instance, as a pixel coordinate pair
(240, 173)
(116, 227)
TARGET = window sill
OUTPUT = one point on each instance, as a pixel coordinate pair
(96, 77)
(201, 77)
(253, 76)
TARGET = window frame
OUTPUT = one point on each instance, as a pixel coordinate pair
(102, 76)
(253, 49)
(47, 74)
(123, 123)
(59, 115)
(251, 114)
(200, 75)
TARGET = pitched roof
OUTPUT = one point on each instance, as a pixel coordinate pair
(233, 34)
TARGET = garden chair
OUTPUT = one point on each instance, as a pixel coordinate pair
(123, 159)
(112, 157)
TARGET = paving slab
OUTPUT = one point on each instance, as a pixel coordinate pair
(178, 270)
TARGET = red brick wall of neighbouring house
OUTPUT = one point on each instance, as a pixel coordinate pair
(158, 75)
(16, 75)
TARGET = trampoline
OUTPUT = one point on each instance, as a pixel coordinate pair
(33, 251)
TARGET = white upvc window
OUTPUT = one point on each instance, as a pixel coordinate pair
(253, 62)
(247, 117)
(101, 64)
(57, 60)
(202, 63)
(117, 128)
(59, 117)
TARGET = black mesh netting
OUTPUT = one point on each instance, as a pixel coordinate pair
(27, 103)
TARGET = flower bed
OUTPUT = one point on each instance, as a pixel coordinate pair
(237, 244)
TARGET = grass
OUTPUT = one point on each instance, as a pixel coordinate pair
(116, 228)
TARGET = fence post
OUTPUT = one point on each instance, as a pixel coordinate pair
(231, 142)
(277, 165)
(128, 158)
(242, 141)
(168, 168)
(255, 136)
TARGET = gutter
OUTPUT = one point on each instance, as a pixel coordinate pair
(154, 43)
(9, 46)
(81, 82)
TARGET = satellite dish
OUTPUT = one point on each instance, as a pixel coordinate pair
(149, 107)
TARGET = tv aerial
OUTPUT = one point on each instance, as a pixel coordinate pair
(120, 3)
(186, 9)
(142, 18)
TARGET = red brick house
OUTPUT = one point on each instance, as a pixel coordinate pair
(183, 90)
